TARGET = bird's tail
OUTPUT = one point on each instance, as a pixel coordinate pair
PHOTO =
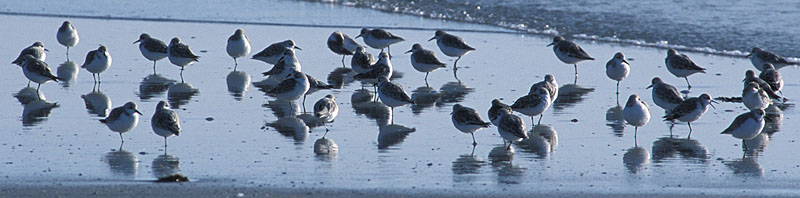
(103, 121)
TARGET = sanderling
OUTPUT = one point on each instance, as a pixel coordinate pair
(379, 39)
(494, 115)
(274, 52)
(511, 127)
(665, 95)
(152, 48)
(771, 75)
(424, 60)
(681, 66)
(381, 68)
(238, 46)
(755, 97)
(287, 64)
(569, 52)
(37, 70)
(36, 50)
(467, 120)
(97, 61)
(750, 76)
(362, 60)
(636, 113)
(759, 57)
(618, 68)
(548, 83)
(690, 110)
(313, 86)
(122, 119)
(451, 45)
(67, 35)
(746, 126)
(180, 54)
(533, 104)
(292, 88)
(326, 109)
(342, 44)
(165, 122)
(391, 94)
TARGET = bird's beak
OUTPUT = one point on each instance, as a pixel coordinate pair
(748, 55)
(626, 62)
(409, 51)
(46, 50)
(137, 111)
(298, 48)
(712, 104)
(648, 87)
(431, 39)
(358, 36)
(553, 43)
(140, 40)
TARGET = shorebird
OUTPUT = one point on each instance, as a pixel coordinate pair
(36, 50)
(451, 45)
(392, 95)
(494, 111)
(746, 126)
(165, 122)
(379, 39)
(681, 66)
(569, 52)
(548, 83)
(617, 68)
(381, 68)
(510, 127)
(37, 70)
(750, 76)
(238, 46)
(326, 109)
(636, 113)
(759, 57)
(467, 120)
(67, 35)
(180, 54)
(97, 61)
(152, 48)
(274, 52)
(771, 75)
(665, 95)
(287, 64)
(313, 86)
(533, 104)
(292, 88)
(122, 119)
(341, 44)
(362, 60)
(424, 60)
(755, 97)
(690, 110)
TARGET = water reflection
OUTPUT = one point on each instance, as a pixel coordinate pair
(393, 134)
(97, 103)
(326, 149)
(756, 145)
(180, 94)
(165, 165)
(339, 77)
(122, 163)
(282, 108)
(36, 111)
(238, 83)
(615, 120)
(636, 159)
(542, 140)
(747, 166)
(28, 94)
(773, 119)
(467, 167)
(569, 95)
(67, 72)
(364, 104)
(501, 161)
(690, 149)
(291, 126)
(423, 97)
(453, 92)
(311, 120)
(153, 85)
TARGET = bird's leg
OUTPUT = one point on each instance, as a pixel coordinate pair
(455, 64)
(95, 78)
(326, 132)
(576, 69)
(235, 64)
(617, 89)
(744, 146)
(37, 89)
(120, 138)
(687, 83)
(391, 111)
(540, 119)
(98, 78)
(304, 103)
(154, 67)
(67, 53)
(509, 145)
(165, 145)
(343, 65)
(426, 78)
(690, 130)
(29, 83)
(389, 50)
(474, 143)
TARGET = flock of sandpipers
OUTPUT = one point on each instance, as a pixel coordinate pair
(291, 84)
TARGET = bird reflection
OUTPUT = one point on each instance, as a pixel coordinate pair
(393, 134)
(238, 83)
(636, 159)
(166, 165)
(29, 94)
(282, 108)
(507, 172)
(67, 72)
(541, 140)
(747, 166)
(338, 78)
(36, 111)
(122, 163)
(453, 92)
(667, 147)
(569, 95)
(423, 97)
(773, 119)
(363, 104)
(97, 103)
(153, 85)
(466, 167)
(180, 94)
(291, 126)
(615, 120)
(326, 149)
(756, 145)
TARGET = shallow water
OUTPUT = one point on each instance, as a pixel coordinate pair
(234, 134)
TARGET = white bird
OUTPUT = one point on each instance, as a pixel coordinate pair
(617, 68)
(286, 65)
(122, 119)
(451, 45)
(755, 97)
(379, 39)
(292, 88)
(665, 95)
(341, 44)
(750, 76)
(37, 70)
(274, 51)
(681, 66)
(467, 120)
(36, 50)
(759, 57)
(636, 113)
(548, 83)
(326, 109)
(165, 122)
(533, 104)
(569, 52)
(746, 126)
(690, 110)
(511, 127)
(238, 46)
(67, 35)
(180, 54)
(152, 48)
(97, 61)
(494, 111)
(424, 60)
(771, 75)
(362, 60)
(392, 95)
